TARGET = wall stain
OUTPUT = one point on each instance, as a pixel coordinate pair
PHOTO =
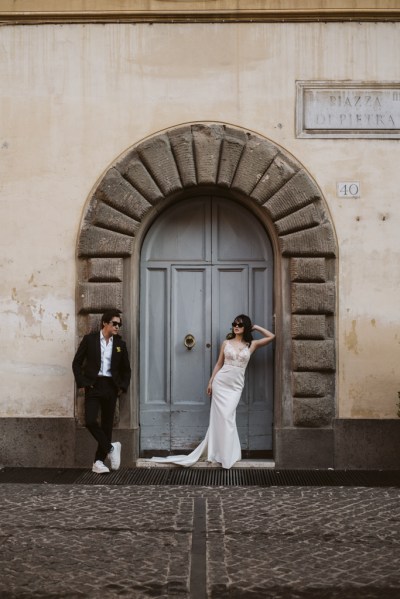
(351, 338)
(373, 322)
(28, 309)
(62, 319)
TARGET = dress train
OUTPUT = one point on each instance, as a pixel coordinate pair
(221, 442)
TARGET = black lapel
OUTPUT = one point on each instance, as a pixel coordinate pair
(98, 349)
(116, 339)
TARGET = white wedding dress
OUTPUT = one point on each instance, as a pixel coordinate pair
(221, 443)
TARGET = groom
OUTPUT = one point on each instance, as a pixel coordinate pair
(101, 366)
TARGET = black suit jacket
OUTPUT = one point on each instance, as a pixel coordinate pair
(87, 361)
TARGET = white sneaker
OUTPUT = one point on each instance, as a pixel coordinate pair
(115, 456)
(100, 468)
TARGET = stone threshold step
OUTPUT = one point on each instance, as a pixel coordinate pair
(147, 463)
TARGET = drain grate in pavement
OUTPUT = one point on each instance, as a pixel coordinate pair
(210, 477)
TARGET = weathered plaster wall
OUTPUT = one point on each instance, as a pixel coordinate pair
(73, 97)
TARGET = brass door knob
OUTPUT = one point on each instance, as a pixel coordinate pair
(189, 341)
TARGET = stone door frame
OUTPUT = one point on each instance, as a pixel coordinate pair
(197, 158)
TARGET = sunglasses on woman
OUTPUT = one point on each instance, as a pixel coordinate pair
(238, 325)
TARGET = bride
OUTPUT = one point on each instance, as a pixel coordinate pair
(221, 443)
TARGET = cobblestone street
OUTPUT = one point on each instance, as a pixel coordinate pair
(186, 542)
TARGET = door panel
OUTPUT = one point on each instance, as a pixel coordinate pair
(190, 369)
(230, 297)
(155, 356)
(237, 235)
(181, 233)
(260, 384)
(204, 261)
(155, 363)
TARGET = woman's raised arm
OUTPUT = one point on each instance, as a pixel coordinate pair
(268, 337)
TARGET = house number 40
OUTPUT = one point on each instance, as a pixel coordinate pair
(348, 189)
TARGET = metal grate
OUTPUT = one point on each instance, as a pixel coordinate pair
(210, 477)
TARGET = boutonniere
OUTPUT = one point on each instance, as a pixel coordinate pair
(118, 349)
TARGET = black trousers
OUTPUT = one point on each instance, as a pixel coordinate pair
(102, 396)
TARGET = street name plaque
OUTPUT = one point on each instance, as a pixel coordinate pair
(348, 109)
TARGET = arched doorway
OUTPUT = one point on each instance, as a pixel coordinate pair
(214, 158)
(203, 261)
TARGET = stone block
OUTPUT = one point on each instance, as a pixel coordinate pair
(278, 173)
(159, 160)
(255, 160)
(207, 148)
(140, 178)
(308, 270)
(313, 411)
(105, 270)
(108, 218)
(313, 298)
(115, 191)
(304, 448)
(312, 384)
(305, 326)
(88, 323)
(232, 149)
(313, 355)
(98, 297)
(239, 134)
(298, 192)
(367, 444)
(306, 217)
(181, 141)
(101, 242)
(37, 442)
(317, 241)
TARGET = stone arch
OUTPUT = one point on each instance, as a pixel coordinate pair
(273, 182)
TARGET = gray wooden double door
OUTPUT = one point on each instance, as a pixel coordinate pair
(204, 261)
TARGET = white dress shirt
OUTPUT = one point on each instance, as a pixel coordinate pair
(106, 351)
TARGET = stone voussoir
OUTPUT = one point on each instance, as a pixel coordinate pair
(297, 193)
(277, 175)
(232, 148)
(256, 158)
(306, 217)
(117, 192)
(181, 141)
(139, 177)
(157, 155)
(109, 218)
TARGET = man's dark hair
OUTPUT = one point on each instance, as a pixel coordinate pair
(109, 315)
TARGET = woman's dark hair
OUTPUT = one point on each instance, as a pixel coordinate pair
(109, 315)
(247, 336)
